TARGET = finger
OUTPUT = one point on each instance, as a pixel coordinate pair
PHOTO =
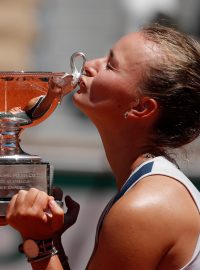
(41, 201)
(20, 199)
(14, 205)
(51, 198)
(73, 206)
(57, 220)
(72, 212)
(10, 206)
(57, 193)
(39, 208)
(31, 196)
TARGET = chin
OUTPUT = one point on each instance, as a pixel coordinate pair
(76, 99)
(79, 102)
(82, 104)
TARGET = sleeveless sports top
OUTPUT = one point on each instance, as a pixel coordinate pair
(158, 165)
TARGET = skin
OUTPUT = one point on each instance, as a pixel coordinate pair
(156, 224)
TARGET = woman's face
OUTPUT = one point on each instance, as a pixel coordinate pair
(109, 86)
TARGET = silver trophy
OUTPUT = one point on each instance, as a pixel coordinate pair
(27, 99)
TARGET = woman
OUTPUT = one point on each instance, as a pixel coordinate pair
(144, 99)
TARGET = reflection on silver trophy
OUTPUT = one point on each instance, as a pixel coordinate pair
(27, 99)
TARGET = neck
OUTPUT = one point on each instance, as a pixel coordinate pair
(124, 152)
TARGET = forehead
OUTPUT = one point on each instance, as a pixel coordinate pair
(133, 50)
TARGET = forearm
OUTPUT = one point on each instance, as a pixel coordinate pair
(37, 228)
(52, 263)
(61, 252)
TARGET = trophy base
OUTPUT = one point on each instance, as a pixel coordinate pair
(22, 176)
(20, 158)
(3, 207)
(3, 221)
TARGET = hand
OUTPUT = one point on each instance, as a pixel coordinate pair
(70, 218)
(28, 212)
(73, 208)
(60, 86)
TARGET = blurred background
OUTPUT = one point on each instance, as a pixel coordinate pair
(41, 35)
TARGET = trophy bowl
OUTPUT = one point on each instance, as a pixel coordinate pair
(27, 99)
(18, 89)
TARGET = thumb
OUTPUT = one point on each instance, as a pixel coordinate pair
(57, 212)
(72, 211)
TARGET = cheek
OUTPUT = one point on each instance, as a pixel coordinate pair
(101, 89)
(112, 90)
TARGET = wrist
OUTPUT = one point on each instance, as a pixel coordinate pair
(38, 250)
(61, 252)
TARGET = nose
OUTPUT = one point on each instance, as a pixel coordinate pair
(92, 67)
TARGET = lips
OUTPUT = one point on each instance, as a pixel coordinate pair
(82, 86)
(82, 82)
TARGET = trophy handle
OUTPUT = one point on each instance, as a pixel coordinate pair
(75, 72)
(68, 82)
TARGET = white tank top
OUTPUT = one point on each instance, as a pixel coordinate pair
(159, 165)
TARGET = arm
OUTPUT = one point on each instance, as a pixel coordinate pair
(70, 218)
(133, 235)
(27, 213)
(148, 228)
(127, 241)
(50, 264)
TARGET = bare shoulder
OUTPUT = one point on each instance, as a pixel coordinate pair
(157, 194)
(147, 222)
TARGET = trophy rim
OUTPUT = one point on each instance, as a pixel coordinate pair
(30, 73)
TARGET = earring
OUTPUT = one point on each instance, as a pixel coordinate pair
(126, 115)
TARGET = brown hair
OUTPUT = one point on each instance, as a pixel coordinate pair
(173, 79)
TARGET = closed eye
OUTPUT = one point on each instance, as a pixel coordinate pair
(109, 66)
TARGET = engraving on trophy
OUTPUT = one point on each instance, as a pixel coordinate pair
(22, 176)
(27, 99)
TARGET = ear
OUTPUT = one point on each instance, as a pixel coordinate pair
(146, 107)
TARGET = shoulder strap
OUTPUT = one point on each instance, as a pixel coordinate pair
(134, 177)
(146, 168)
